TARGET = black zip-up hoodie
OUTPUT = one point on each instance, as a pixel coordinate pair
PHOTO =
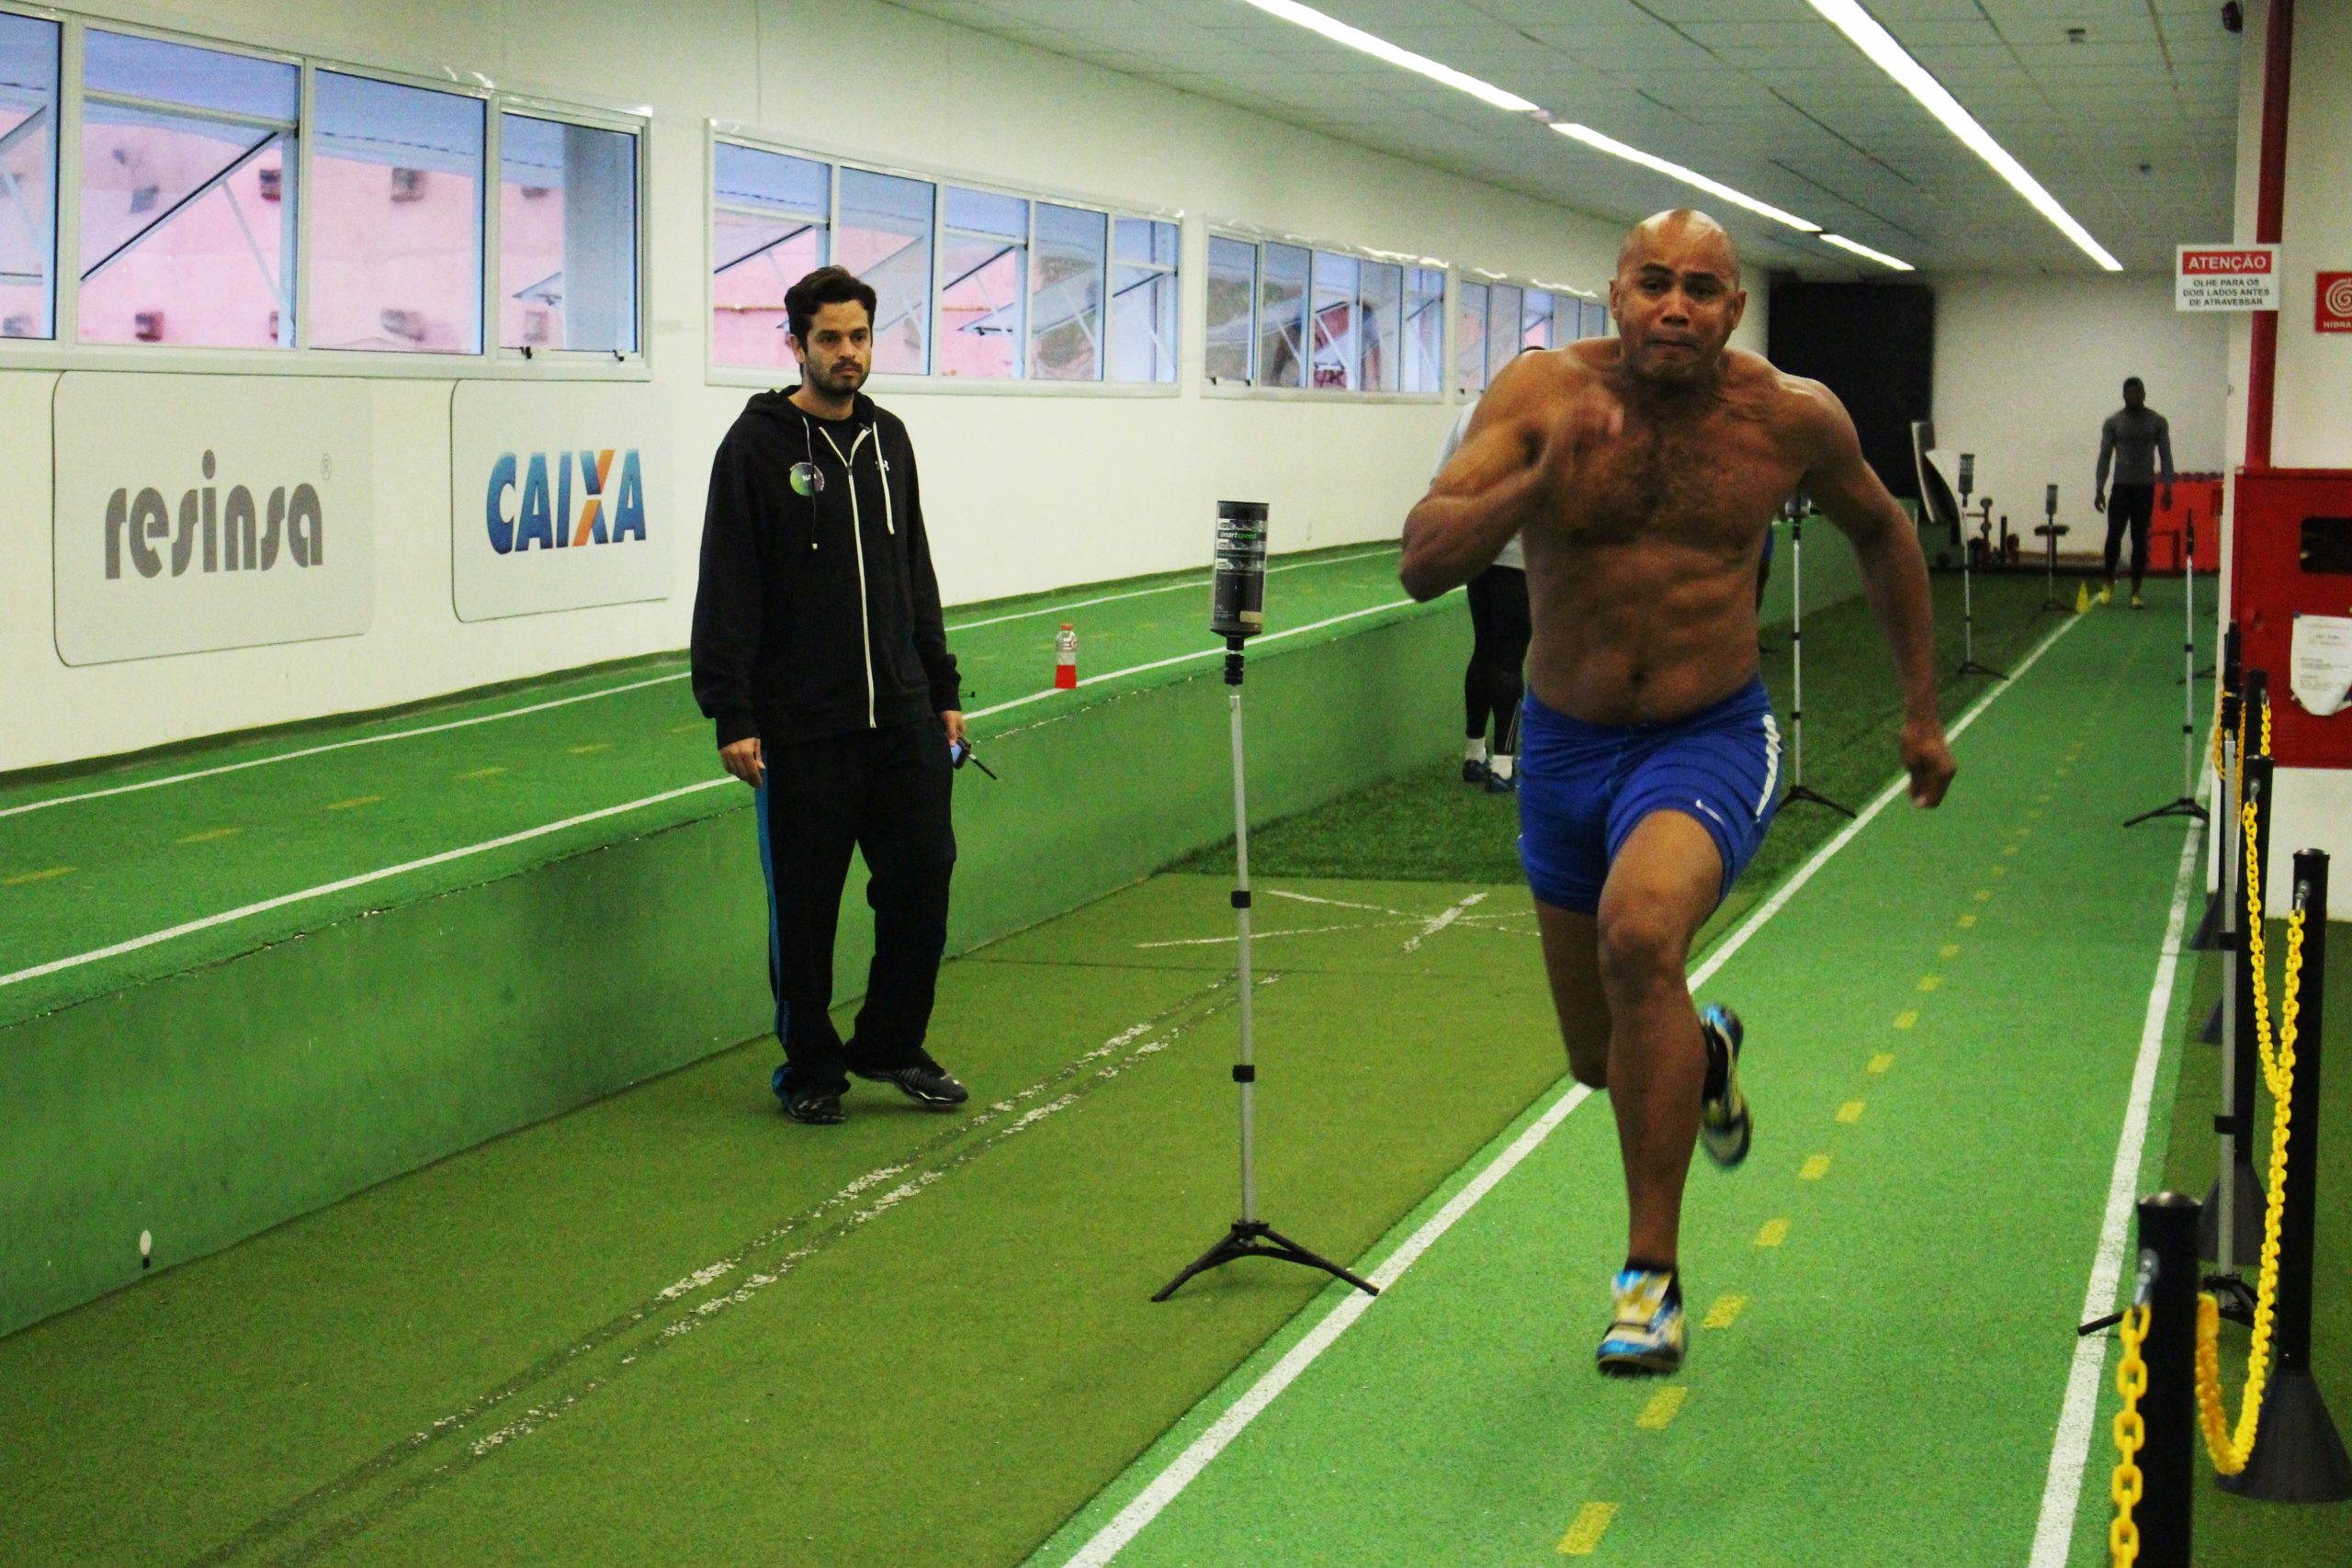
(818, 614)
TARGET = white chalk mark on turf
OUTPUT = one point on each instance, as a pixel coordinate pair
(1232, 938)
(1339, 903)
(1445, 917)
(1164, 1488)
(2070, 1448)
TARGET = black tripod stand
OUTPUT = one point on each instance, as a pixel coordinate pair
(1797, 790)
(1968, 543)
(2185, 804)
(1239, 590)
(2050, 532)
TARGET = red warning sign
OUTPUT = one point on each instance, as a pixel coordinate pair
(2334, 302)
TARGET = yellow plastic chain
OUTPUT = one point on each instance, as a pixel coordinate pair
(2131, 1436)
(2231, 1451)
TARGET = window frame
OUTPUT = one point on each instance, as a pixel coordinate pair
(1257, 238)
(891, 384)
(64, 351)
(1562, 294)
(26, 347)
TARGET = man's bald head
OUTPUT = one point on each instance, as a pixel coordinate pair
(1680, 232)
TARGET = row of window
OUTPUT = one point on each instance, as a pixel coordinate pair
(192, 165)
(233, 201)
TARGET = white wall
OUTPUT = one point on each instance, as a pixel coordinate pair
(1024, 491)
(2027, 368)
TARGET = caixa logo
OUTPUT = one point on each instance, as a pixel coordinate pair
(236, 534)
(545, 518)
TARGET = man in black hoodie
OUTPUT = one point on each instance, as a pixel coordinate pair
(819, 653)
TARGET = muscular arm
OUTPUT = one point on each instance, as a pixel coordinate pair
(1484, 494)
(1895, 580)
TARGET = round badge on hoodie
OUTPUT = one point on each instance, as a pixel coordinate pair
(807, 480)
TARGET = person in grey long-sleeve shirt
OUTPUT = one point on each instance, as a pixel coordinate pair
(2133, 440)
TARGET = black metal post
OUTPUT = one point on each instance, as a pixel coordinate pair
(2298, 1454)
(2167, 1508)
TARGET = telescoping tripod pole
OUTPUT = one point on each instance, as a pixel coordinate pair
(2186, 802)
(1239, 612)
(1797, 789)
(1968, 664)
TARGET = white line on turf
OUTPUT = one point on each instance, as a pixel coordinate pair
(340, 746)
(326, 889)
(1164, 1488)
(1195, 583)
(583, 697)
(1443, 919)
(345, 885)
(2070, 1448)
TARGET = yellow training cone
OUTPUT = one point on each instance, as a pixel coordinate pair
(2082, 598)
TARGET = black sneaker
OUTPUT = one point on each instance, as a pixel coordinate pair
(817, 1109)
(924, 1082)
(1473, 771)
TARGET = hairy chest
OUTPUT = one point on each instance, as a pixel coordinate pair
(1709, 484)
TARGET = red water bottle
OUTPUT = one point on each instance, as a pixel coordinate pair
(1066, 659)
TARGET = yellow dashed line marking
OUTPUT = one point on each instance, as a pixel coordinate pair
(2034, 815)
(1663, 1408)
(1724, 1313)
(1774, 1233)
(1966, 922)
(482, 773)
(210, 835)
(2022, 832)
(1948, 950)
(1584, 1535)
(690, 725)
(1849, 1112)
(1882, 1061)
(2000, 871)
(22, 877)
(591, 748)
(2009, 849)
(1983, 895)
(1816, 1167)
(356, 800)
(1931, 982)
(1906, 1018)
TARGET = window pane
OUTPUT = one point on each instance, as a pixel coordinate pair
(1335, 321)
(396, 225)
(1504, 305)
(983, 261)
(1424, 330)
(1232, 293)
(1377, 326)
(27, 175)
(883, 235)
(1066, 295)
(1143, 302)
(567, 236)
(1470, 337)
(1596, 319)
(184, 234)
(1535, 319)
(194, 78)
(767, 231)
(1281, 315)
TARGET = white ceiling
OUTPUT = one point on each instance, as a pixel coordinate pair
(2133, 129)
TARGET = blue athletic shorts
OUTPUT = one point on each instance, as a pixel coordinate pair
(1583, 787)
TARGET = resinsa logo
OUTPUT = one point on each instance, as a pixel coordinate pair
(543, 516)
(236, 534)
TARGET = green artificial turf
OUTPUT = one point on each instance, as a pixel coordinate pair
(82, 877)
(1428, 824)
(1950, 1014)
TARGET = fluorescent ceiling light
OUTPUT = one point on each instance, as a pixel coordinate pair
(1881, 257)
(1609, 144)
(1381, 49)
(1895, 60)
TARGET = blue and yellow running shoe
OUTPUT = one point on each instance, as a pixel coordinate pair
(1645, 1340)
(1724, 1121)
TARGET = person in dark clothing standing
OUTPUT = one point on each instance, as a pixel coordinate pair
(2133, 438)
(820, 654)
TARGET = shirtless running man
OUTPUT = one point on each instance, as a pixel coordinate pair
(1642, 473)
